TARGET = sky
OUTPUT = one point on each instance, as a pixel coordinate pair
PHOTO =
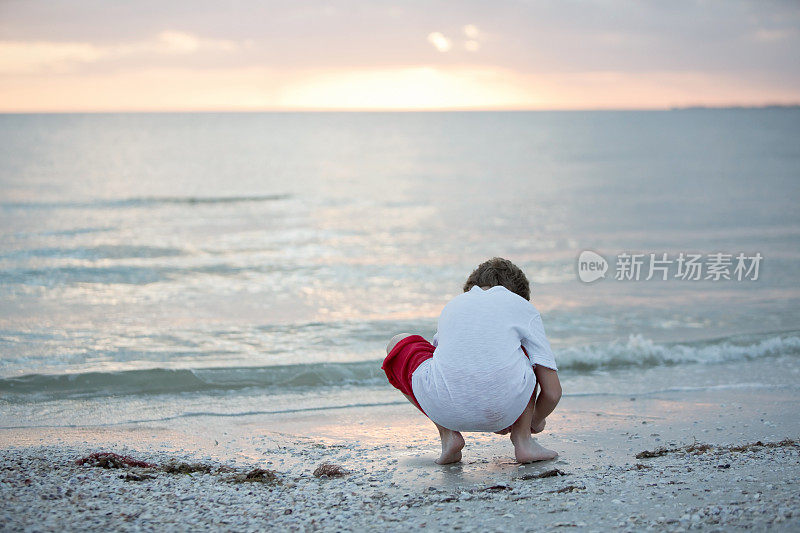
(241, 55)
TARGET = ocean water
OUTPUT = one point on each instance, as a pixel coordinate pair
(157, 266)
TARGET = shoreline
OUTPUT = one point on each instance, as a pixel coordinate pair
(392, 482)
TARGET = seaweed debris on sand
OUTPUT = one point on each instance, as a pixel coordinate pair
(697, 448)
(112, 460)
(257, 475)
(330, 470)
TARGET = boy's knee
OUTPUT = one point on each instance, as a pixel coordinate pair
(394, 340)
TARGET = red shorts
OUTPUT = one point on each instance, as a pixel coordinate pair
(403, 360)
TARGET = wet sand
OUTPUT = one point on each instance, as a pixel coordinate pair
(393, 483)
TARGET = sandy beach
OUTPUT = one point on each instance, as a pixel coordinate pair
(746, 478)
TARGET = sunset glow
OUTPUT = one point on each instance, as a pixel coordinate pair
(319, 58)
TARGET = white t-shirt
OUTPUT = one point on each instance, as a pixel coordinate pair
(479, 379)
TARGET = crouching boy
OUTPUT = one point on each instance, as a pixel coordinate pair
(482, 371)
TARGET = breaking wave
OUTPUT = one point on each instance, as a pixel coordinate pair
(638, 351)
(634, 352)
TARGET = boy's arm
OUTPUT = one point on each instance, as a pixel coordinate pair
(548, 398)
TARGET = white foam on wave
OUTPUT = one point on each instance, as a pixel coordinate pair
(638, 351)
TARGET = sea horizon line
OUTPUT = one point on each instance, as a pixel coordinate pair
(398, 111)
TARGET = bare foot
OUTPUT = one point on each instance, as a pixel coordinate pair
(528, 451)
(452, 444)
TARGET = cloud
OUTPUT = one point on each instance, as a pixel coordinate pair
(155, 89)
(26, 57)
(474, 36)
(439, 41)
(471, 31)
(178, 42)
(443, 44)
(31, 57)
(472, 46)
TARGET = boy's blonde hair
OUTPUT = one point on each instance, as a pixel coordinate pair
(499, 271)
